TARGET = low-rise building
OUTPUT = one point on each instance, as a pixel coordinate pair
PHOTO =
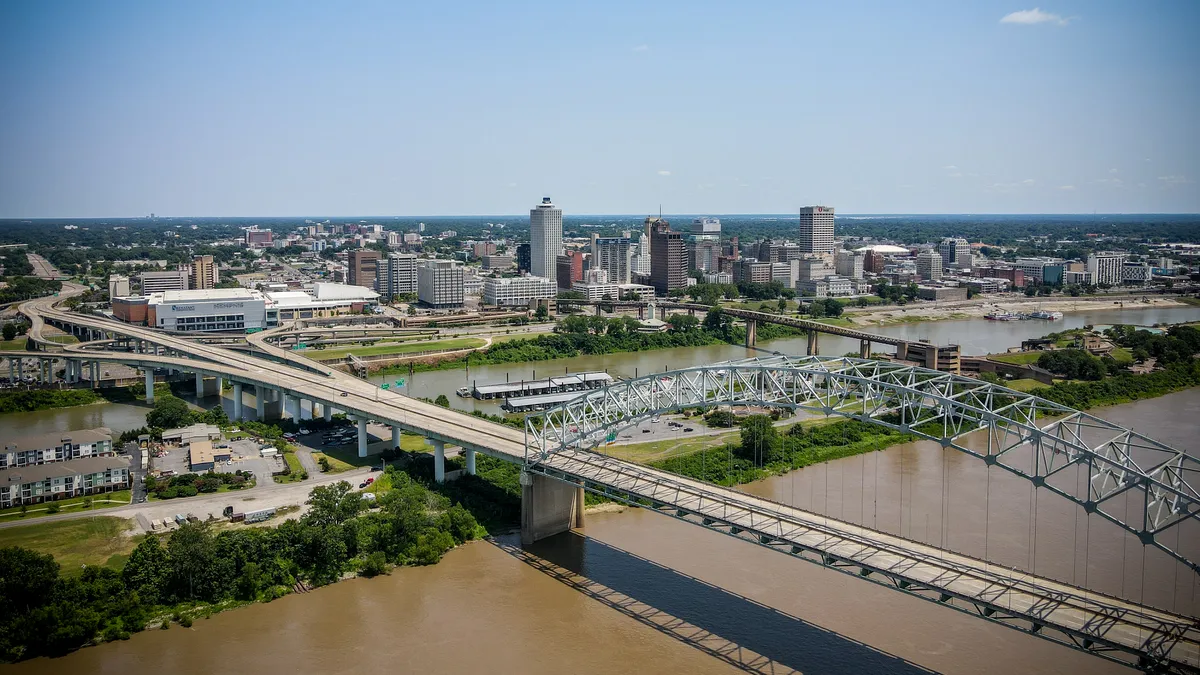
(828, 287)
(1135, 273)
(941, 293)
(157, 282)
(497, 262)
(61, 480)
(202, 456)
(598, 290)
(58, 446)
(195, 432)
(210, 309)
(642, 291)
(517, 291)
(325, 300)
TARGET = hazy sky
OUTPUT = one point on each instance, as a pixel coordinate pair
(402, 108)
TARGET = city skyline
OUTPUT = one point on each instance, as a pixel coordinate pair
(126, 109)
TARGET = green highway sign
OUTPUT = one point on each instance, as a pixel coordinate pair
(400, 382)
(385, 385)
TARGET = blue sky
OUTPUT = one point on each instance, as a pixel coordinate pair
(396, 108)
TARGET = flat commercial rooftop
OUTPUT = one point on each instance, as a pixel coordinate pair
(520, 403)
(575, 380)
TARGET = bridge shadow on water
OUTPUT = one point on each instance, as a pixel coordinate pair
(740, 631)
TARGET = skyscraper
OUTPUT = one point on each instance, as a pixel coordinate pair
(956, 252)
(524, 258)
(816, 229)
(612, 254)
(668, 259)
(396, 275)
(362, 265)
(545, 239)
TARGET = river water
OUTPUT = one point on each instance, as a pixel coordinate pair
(638, 592)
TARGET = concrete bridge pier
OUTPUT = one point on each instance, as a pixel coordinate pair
(314, 409)
(902, 351)
(470, 456)
(21, 369)
(751, 333)
(274, 404)
(814, 347)
(328, 413)
(291, 405)
(548, 507)
(260, 402)
(395, 437)
(864, 349)
(362, 436)
(149, 385)
(439, 459)
(237, 401)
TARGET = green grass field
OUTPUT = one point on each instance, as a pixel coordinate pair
(396, 348)
(14, 345)
(1024, 384)
(335, 465)
(297, 469)
(100, 501)
(348, 454)
(1018, 358)
(73, 543)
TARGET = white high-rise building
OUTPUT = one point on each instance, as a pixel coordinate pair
(639, 262)
(929, 265)
(1106, 268)
(516, 291)
(440, 284)
(816, 229)
(396, 275)
(545, 239)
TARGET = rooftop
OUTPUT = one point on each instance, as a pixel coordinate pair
(210, 294)
(57, 438)
(75, 467)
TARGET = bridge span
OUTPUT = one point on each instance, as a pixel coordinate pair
(559, 466)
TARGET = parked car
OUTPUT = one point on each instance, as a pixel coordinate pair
(362, 485)
(686, 429)
(370, 480)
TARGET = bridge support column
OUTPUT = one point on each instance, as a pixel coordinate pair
(149, 385)
(328, 413)
(548, 507)
(199, 385)
(902, 351)
(21, 369)
(237, 401)
(864, 349)
(220, 387)
(470, 455)
(751, 333)
(362, 436)
(814, 348)
(439, 459)
(291, 406)
(260, 402)
(395, 437)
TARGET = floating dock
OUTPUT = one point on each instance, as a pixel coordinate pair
(554, 385)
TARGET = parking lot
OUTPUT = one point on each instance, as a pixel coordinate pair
(244, 456)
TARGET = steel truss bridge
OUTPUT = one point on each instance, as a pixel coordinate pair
(1121, 467)
(927, 403)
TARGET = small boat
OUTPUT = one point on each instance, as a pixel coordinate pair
(464, 392)
(1049, 316)
(1002, 316)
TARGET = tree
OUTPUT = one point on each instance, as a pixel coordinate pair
(832, 307)
(682, 322)
(169, 412)
(542, 313)
(442, 401)
(332, 504)
(195, 571)
(10, 331)
(721, 418)
(147, 571)
(759, 439)
(782, 305)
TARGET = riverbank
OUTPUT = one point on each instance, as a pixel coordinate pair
(978, 308)
(97, 584)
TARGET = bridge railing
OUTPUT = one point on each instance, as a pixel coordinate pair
(1026, 435)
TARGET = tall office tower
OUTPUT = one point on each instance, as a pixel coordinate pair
(568, 268)
(612, 254)
(706, 227)
(363, 265)
(204, 272)
(816, 229)
(545, 239)
(668, 259)
(955, 252)
(396, 275)
(640, 258)
(440, 284)
(873, 262)
(524, 258)
(704, 255)
(929, 265)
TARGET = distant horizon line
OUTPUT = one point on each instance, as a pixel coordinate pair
(599, 215)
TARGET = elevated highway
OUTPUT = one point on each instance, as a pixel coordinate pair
(558, 467)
